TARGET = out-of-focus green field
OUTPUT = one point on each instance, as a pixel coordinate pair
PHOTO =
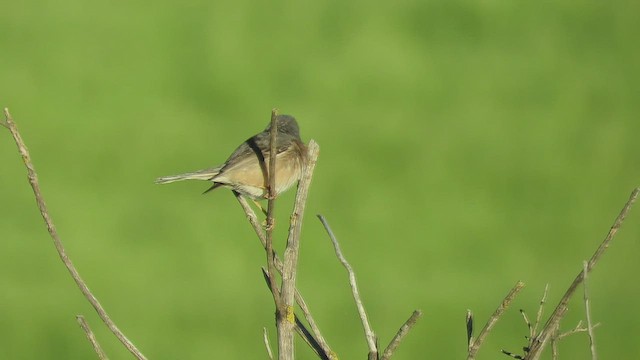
(464, 146)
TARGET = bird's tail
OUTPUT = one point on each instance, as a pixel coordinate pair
(205, 174)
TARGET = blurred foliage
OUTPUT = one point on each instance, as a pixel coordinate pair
(465, 145)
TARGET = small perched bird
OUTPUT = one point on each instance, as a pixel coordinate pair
(246, 170)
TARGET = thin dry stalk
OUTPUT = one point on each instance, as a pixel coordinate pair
(404, 330)
(326, 350)
(253, 220)
(91, 337)
(301, 328)
(265, 338)
(578, 329)
(534, 333)
(469, 322)
(473, 350)
(554, 346)
(527, 322)
(33, 180)
(368, 332)
(292, 250)
(271, 196)
(552, 324)
(587, 309)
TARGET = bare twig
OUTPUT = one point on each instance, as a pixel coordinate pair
(291, 252)
(532, 329)
(33, 180)
(473, 350)
(587, 310)
(253, 220)
(527, 322)
(271, 196)
(328, 353)
(534, 333)
(540, 342)
(302, 330)
(578, 329)
(265, 338)
(554, 345)
(91, 337)
(404, 330)
(369, 334)
(469, 322)
(556, 336)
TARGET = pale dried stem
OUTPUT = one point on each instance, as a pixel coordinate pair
(552, 324)
(292, 250)
(473, 350)
(253, 220)
(534, 333)
(301, 329)
(271, 196)
(33, 180)
(578, 329)
(587, 309)
(91, 337)
(368, 332)
(265, 338)
(404, 330)
(469, 324)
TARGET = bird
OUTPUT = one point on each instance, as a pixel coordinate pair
(246, 170)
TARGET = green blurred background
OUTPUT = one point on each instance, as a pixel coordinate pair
(464, 146)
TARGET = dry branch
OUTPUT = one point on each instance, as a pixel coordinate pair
(587, 310)
(33, 180)
(265, 338)
(301, 328)
(404, 330)
(253, 220)
(369, 334)
(469, 325)
(473, 349)
(552, 324)
(292, 250)
(543, 300)
(271, 196)
(91, 337)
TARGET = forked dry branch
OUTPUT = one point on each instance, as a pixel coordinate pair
(552, 324)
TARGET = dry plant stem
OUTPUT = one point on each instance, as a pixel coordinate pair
(473, 350)
(587, 309)
(300, 328)
(404, 330)
(527, 322)
(369, 334)
(265, 338)
(327, 352)
(33, 180)
(554, 346)
(291, 252)
(253, 220)
(552, 324)
(91, 337)
(578, 329)
(540, 312)
(469, 323)
(270, 209)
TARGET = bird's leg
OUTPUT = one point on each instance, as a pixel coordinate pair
(264, 211)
